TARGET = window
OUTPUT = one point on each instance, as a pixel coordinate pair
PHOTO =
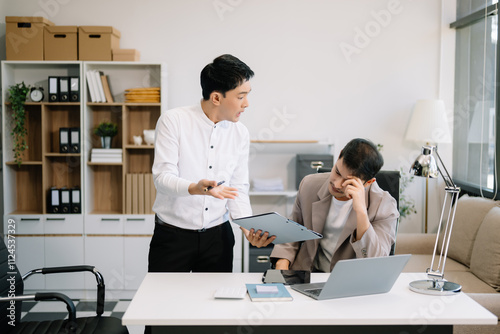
(475, 140)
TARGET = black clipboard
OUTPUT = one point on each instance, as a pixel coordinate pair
(284, 229)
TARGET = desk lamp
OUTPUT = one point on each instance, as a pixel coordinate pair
(425, 165)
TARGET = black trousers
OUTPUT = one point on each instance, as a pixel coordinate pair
(173, 249)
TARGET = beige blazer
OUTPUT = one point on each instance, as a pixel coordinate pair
(311, 209)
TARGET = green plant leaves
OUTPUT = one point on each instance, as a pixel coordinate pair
(17, 98)
(106, 129)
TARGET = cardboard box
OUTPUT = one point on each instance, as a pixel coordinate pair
(24, 37)
(61, 42)
(126, 55)
(96, 42)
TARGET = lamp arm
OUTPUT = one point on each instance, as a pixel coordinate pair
(447, 178)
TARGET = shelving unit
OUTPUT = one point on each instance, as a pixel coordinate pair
(106, 182)
(25, 187)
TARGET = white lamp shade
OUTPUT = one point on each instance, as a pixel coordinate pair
(481, 129)
(428, 123)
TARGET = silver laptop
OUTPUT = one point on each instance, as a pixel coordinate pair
(357, 277)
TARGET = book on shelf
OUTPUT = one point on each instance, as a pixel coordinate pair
(107, 151)
(271, 292)
(106, 155)
(90, 85)
(107, 90)
(100, 89)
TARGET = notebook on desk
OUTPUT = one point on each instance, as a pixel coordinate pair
(357, 277)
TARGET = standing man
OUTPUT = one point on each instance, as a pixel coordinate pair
(200, 173)
(356, 217)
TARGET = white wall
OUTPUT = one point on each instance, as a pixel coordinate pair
(295, 49)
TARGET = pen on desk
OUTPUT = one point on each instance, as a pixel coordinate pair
(210, 187)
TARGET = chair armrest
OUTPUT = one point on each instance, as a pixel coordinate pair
(71, 269)
(415, 243)
(70, 306)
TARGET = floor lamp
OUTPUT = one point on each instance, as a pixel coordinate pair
(425, 165)
(428, 124)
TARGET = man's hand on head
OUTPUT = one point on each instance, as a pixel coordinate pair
(355, 190)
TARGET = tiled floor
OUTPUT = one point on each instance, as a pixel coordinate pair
(51, 310)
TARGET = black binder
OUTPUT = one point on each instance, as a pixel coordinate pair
(53, 89)
(53, 201)
(65, 197)
(63, 89)
(64, 140)
(74, 89)
(76, 202)
(74, 140)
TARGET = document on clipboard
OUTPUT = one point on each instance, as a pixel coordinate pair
(284, 229)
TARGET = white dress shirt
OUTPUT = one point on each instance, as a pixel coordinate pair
(190, 147)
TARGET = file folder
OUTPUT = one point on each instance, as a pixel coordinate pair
(74, 140)
(74, 89)
(284, 229)
(63, 89)
(53, 200)
(65, 200)
(76, 203)
(63, 140)
(53, 89)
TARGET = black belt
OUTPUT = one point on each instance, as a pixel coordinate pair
(201, 230)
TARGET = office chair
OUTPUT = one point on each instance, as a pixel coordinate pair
(388, 180)
(11, 297)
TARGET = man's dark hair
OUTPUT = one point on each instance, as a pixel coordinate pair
(362, 158)
(225, 73)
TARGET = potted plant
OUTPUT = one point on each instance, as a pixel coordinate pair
(106, 130)
(17, 99)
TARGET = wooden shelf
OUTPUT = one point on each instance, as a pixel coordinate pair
(90, 163)
(139, 147)
(119, 104)
(62, 155)
(24, 163)
(27, 103)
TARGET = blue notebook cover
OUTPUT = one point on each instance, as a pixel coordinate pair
(282, 296)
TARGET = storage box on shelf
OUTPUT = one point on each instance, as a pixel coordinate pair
(97, 42)
(60, 43)
(24, 37)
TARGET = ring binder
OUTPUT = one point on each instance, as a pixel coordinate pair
(53, 89)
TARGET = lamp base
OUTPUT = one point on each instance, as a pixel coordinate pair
(435, 287)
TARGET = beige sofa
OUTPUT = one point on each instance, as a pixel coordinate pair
(473, 257)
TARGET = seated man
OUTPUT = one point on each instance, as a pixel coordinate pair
(356, 217)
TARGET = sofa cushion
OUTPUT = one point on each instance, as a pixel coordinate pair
(485, 259)
(469, 216)
(470, 283)
(419, 263)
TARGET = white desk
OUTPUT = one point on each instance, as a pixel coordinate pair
(178, 300)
